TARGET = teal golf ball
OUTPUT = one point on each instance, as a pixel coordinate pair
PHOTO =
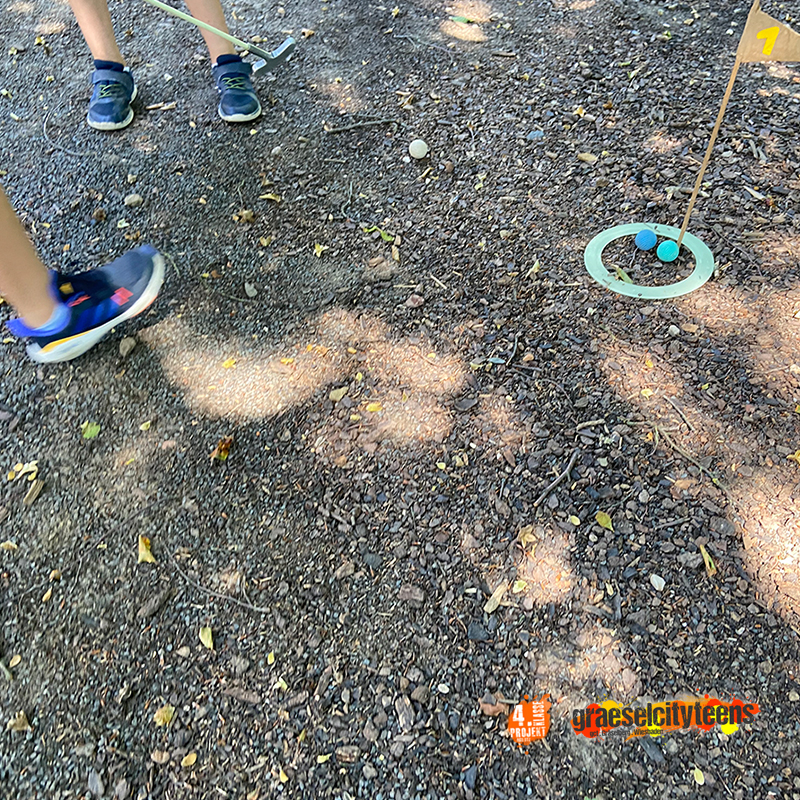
(645, 239)
(667, 251)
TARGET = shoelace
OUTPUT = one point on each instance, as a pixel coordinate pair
(236, 82)
(111, 90)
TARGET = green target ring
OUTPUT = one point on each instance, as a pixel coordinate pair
(703, 267)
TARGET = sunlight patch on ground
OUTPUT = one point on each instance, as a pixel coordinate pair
(546, 569)
(662, 143)
(475, 10)
(343, 96)
(463, 31)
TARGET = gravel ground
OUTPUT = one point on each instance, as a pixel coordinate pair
(406, 354)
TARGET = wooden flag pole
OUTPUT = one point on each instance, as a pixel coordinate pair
(734, 72)
(710, 147)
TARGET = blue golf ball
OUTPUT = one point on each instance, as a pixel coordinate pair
(645, 239)
(668, 250)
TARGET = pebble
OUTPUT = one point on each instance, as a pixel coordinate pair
(369, 772)
(134, 200)
(95, 784)
(477, 633)
(674, 330)
(418, 149)
(535, 136)
(657, 582)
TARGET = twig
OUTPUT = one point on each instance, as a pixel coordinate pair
(676, 407)
(218, 595)
(214, 290)
(513, 349)
(590, 424)
(437, 281)
(366, 124)
(689, 457)
(56, 144)
(561, 477)
(669, 523)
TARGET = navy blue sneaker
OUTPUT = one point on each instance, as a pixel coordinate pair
(110, 106)
(97, 300)
(238, 101)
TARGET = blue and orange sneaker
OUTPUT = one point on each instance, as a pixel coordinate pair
(96, 301)
(238, 101)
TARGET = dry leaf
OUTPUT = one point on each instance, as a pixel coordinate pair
(145, 426)
(574, 520)
(253, 795)
(699, 778)
(145, 556)
(246, 215)
(647, 392)
(189, 760)
(587, 158)
(55, 575)
(159, 756)
(711, 569)
(519, 586)
(164, 715)
(337, 394)
(497, 595)
(526, 536)
(604, 521)
(15, 660)
(8, 545)
(33, 492)
(90, 429)
(276, 198)
(271, 658)
(223, 449)
(319, 249)
(373, 408)
(283, 776)
(207, 638)
(47, 595)
(323, 759)
(19, 723)
(229, 363)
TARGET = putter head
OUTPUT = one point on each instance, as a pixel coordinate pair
(276, 57)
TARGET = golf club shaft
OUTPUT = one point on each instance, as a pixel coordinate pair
(251, 48)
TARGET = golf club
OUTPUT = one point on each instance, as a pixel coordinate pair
(267, 62)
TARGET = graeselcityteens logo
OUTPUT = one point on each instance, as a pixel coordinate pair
(655, 719)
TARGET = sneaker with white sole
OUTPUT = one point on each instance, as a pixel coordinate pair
(97, 300)
(110, 105)
(238, 101)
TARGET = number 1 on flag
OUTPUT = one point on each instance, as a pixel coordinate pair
(769, 35)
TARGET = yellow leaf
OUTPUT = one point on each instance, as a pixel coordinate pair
(699, 778)
(647, 392)
(319, 249)
(648, 363)
(711, 569)
(287, 361)
(164, 715)
(604, 521)
(207, 638)
(323, 759)
(355, 417)
(228, 363)
(276, 198)
(519, 586)
(359, 377)
(794, 457)
(373, 408)
(441, 465)
(527, 536)
(575, 520)
(15, 661)
(47, 595)
(55, 575)
(588, 158)
(337, 394)
(271, 658)
(797, 409)
(497, 595)
(145, 556)
(266, 241)
(302, 737)
(283, 776)
(19, 723)
(395, 11)
(189, 760)
(145, 426)
(8, 545)
(282, 685)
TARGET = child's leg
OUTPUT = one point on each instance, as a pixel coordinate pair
(94, 20)
(24, 280)
(210, 11)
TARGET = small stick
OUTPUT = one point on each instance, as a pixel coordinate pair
(689, 457)
(437, 281)
(366, 124)
(557, 481)
(677, 408)
(514, 349)
(218, 595)
(590, 424)
(56, 144)
(670, 523)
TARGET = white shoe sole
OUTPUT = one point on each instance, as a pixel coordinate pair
(240, 117)
(77, 345)
(115, 126)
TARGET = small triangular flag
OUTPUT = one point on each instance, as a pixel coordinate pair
(766, 39)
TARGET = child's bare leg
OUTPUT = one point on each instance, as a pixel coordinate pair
(210, 11)
(24, 280)
(94, 20)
